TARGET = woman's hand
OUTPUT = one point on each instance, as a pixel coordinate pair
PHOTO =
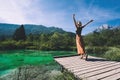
(73, 15)
(91, 20)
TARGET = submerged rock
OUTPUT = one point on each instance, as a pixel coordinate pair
(30, 72)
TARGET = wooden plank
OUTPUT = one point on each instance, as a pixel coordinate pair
(97, 67)
(96, 71)
(113, 77)
(74, 62)
(91, 65)
(93, 69)
(82, 66)
(100, 76)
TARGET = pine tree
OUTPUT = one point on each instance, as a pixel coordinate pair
(20, 34)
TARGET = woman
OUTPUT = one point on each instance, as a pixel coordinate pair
(79, 40)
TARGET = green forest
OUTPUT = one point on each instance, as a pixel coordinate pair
(103, 37)
(101, 42)
(104, 43)
(59, 41)
(43, 41)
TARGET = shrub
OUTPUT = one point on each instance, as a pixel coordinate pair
(96, 50)
(113, 54)
(7, 45)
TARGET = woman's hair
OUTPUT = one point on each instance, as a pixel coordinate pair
(79, 23)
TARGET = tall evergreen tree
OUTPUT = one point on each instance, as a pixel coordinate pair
(20, 34)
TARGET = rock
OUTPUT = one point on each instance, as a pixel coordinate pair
(30, 72)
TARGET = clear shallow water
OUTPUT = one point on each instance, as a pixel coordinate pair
(15, 58)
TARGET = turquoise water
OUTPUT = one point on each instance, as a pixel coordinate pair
(15, 58)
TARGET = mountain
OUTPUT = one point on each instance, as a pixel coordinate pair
(9, 29)
(37, 29)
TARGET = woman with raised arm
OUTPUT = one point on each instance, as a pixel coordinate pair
(79, 40)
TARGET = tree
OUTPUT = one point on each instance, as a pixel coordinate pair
(19, 34)
(30, 37)
(2, 37)
(104, 37)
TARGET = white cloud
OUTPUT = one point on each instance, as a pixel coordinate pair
(12, 11)
(36, 12)
(29, 12)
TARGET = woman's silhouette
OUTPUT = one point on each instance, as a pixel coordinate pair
(79, 39)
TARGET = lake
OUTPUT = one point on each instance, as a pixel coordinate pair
(16, 58)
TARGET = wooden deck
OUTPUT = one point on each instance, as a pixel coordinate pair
(92, 69)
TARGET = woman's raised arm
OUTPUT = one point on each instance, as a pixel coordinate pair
(74, 20)
(88, 23)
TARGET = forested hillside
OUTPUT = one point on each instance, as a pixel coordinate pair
(29, 29)
(37, 37)
(43, 38)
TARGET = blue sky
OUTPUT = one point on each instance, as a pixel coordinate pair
(59, 13)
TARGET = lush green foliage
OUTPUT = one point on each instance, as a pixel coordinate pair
(104, 37)
(109, 53)
(97, 43)
(112, 54)
(60, 40)
(96, 50)
(52, 41)
(100, 41)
